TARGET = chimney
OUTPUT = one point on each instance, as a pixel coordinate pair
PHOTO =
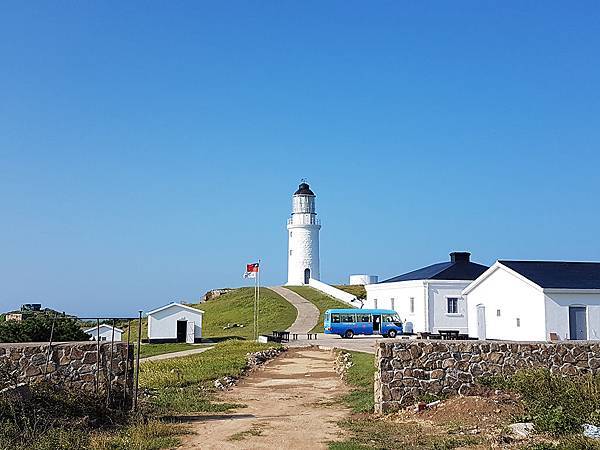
(460, 256)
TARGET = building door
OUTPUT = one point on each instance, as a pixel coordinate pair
(181, 330)
(481, 322)
(577, 323)
(189, 336)
(306, 276)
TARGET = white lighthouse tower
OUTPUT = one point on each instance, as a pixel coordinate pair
(303, 237)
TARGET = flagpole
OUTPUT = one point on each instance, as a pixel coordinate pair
(257, 300)
(254, 312)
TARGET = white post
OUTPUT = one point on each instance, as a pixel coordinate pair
(257, 300)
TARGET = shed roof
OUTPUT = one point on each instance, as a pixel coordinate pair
(175, 304)
(102, 325)
(558, 274)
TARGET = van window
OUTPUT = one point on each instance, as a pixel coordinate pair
(347, 318)
(363, 318)
(335, 318)
(391, 318)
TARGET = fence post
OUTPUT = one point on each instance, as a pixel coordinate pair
(137, 372)
(49, 347)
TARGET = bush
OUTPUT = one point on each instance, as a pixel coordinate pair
(37, 328)
(556, 404)
(53, 418)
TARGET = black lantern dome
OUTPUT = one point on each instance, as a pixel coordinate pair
(304, 189)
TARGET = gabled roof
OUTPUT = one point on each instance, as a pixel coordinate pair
(102, 325)
(460, 269)
(558, 274)
(171, 305)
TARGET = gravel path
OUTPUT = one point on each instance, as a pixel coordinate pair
(308, 314)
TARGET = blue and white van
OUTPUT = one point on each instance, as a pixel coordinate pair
(349, 322)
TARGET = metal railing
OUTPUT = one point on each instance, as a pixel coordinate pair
(302, 220)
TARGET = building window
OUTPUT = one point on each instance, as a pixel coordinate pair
(518, 322)
(452, 305)
(392, 301)
(497, 313)
(375, 303)
(412, 305)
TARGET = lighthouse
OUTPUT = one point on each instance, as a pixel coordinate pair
(303, 237)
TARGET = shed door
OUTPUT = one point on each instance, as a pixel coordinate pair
(577, 323)
(481, 322)
(189, 337)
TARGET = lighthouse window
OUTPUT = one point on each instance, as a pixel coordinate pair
(290, 234)
(290, 253)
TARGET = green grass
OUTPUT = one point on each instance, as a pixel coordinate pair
(322, 301)
(185, 384)
(358, 290)
(372, 433)
(134, 330)
(237, 307)
(360, 377)
(147, 350)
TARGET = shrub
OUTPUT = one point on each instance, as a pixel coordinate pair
(37, 328)
(556, 404)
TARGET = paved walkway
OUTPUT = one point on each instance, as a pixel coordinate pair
(308, 314)
(175, 354)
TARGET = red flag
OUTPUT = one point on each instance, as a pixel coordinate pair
(251, 270)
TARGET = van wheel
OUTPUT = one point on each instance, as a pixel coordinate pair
(392, 334)
(349, 334)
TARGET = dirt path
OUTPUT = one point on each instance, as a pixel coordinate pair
(288, 407)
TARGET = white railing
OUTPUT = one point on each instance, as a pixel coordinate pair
(301, 220)
(333, 291)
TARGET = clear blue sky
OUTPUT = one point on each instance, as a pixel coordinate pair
(148, 150)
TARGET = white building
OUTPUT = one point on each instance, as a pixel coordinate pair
(303, 238)
(363, 279)
(106, 333)
(535, 301)
(175, 323)
(429, 299)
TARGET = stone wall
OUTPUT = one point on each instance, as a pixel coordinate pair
(73, 364)
(408, 370)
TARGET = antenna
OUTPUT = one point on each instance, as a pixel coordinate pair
(303, 180)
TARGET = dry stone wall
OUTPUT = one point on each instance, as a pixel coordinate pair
(409, 370)
(78, 365)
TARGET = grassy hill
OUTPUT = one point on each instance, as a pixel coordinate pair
(357, 290)
(322, 301)
(237, 307)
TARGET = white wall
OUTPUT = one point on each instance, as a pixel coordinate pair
(557, 313)
(401, 292)
(304, 247)
(163, 324)
(515, 298)
(363, 279)
(334, 292)
(439, 319)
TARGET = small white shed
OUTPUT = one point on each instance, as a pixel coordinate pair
(535, 301)
(175, 323)
(106, 333)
